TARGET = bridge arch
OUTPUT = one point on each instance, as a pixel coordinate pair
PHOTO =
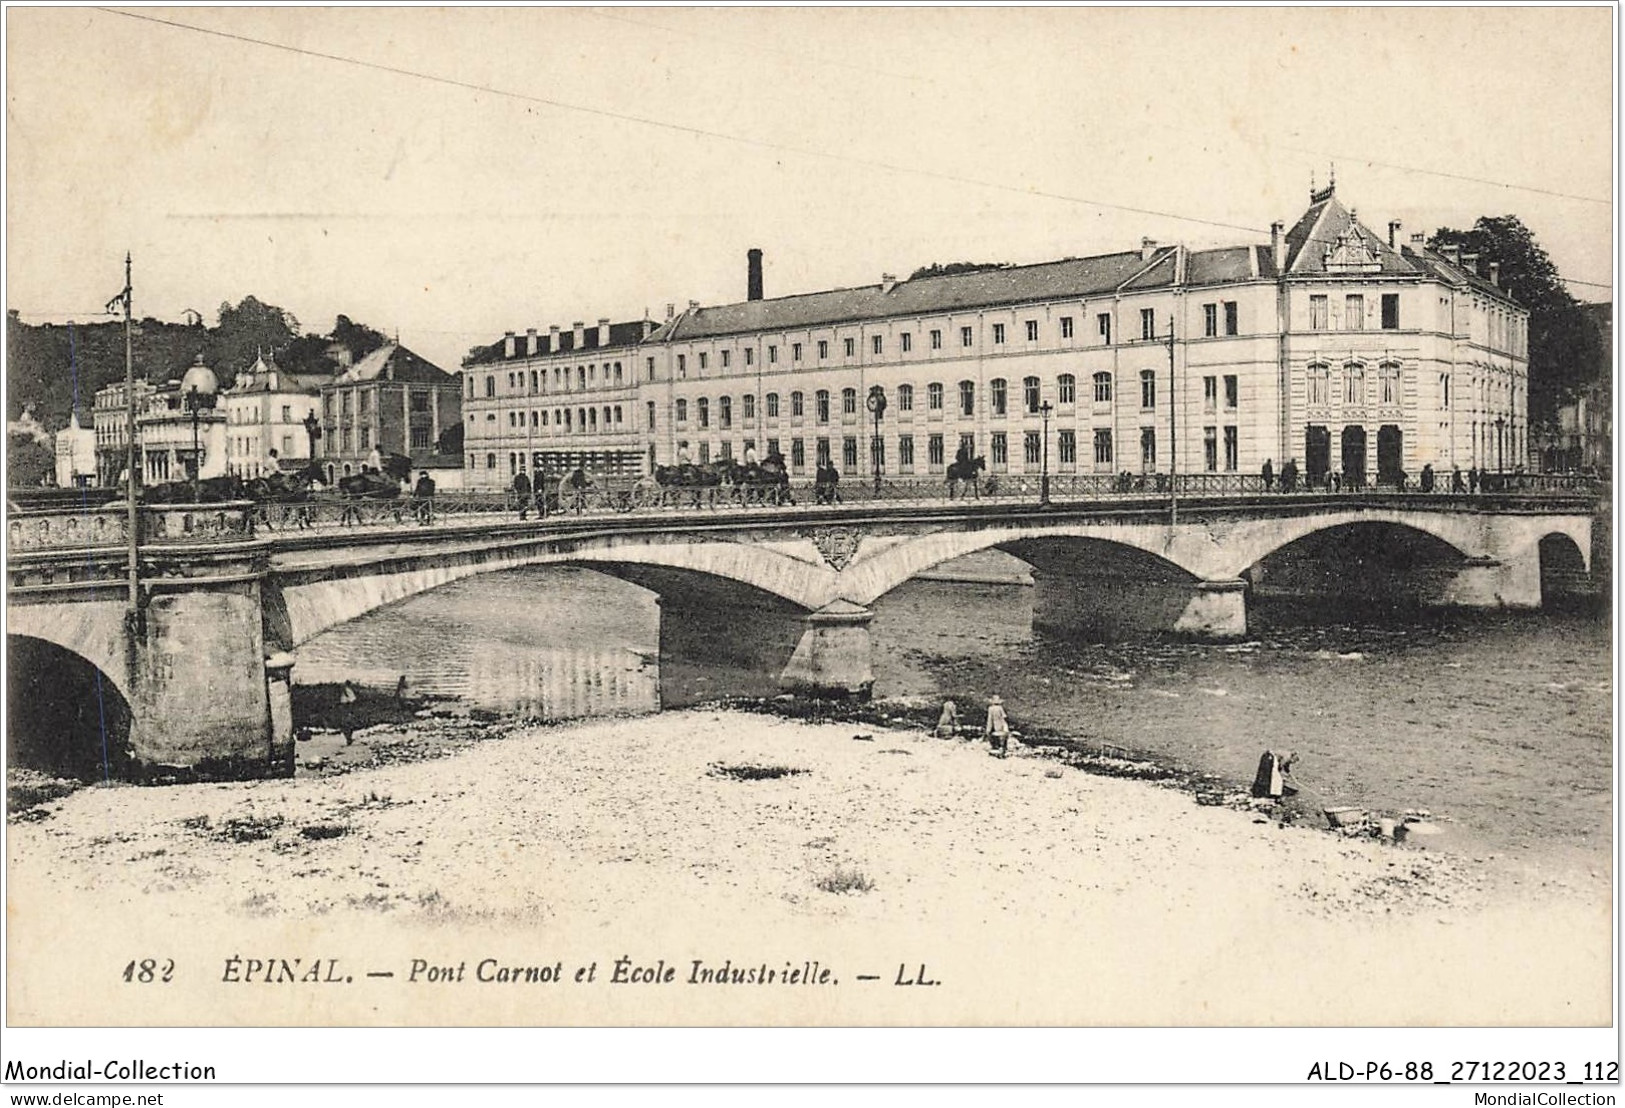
(312, 601)
(1251, 541)
(91, 629)
(65, 715)
(867, 580)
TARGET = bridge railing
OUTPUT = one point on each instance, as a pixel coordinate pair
(107, 527)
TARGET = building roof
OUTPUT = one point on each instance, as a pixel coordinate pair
(629, 333)
(1068, 278)
(394, 362)
(256, 379)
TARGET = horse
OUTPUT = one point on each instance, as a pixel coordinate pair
(210, 490)
(756, 483)
(282, 488)
(966, 470)
(695, 480)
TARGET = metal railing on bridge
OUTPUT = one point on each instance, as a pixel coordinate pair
(91, 529)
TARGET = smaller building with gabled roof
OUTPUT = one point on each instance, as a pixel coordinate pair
(390, 402)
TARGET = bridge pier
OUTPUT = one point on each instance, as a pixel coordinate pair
(1111, 607)
(201, 704)
(833, 656)
(1490, 582)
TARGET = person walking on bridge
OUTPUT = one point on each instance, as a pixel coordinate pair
(1269, 475)
(521, 492)
(423, 498)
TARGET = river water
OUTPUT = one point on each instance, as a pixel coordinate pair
(1499, 724)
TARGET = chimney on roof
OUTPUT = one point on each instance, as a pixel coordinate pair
(693, 305)
(671, 311)
(1419, 240)
(507, 344)
(603, 332)
(753, 274)
(1495, 274)
(530, 342)
(1469, 262)
(648, 327)
(1451, 253)
(553, 339)
(1278, 245)
(888, 281)
(579, 330)
(1393, 234)
(1148, 247)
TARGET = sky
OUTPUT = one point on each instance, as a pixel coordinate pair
(449, 175)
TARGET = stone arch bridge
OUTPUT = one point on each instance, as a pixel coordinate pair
(202, 660)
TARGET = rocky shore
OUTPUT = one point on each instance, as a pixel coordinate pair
(1045, 894)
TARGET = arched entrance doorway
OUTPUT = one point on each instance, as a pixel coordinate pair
(1354, 456)
(1317, 454)
(1390, 454)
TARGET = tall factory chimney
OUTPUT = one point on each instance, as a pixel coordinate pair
(753, 279)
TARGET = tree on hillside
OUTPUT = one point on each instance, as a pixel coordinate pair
(245, 331)
(29, 463)
(1565, 348)
(358, 337)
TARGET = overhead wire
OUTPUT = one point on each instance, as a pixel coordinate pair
(747, 140)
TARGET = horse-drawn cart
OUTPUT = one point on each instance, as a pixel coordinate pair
(582, 491)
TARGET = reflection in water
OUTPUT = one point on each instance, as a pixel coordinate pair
(540, 643)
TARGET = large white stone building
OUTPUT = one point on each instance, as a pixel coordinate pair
(1332, 346)
(266, 409)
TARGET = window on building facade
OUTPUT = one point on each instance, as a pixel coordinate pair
(1030, 448)
(996, 395)
(877, 452)
(905, 398)
(705, 360)
(1231, 321)
(287, 413)
(849, 401)
(682, 411)
(1067, 448)
(1388, 373)
(797, 405)
(1148, 449)
(772, 405)
(510, 378)
(933, 453)
(1354, 312)
(821, 401)
(750, 355)
(1148, 388)
(366, 437)
(1319, 384)
(1103, 388)
(1390, 311)
(877, 344)
(1232, 391)
(1354, 383)
(748, 406)
(849, 452)
(967, 445)
(1148, 323)
(704, 407)
(1103, 448)
(998, 334)
(772, 354)
(1210, 320)
(967, 398)
(1210, 449)
(1029, 394)
(933, 396)
(798, 454)
(682, 366)
(795, 352)
(420, 438)
(705, 453)
(1001, 450)
(1066, 327)
(964, 336)
(1210, 394)
(1032, 330)
(936, 340)
(651, 414)
(1103, 325)
(1318, 318)
(648, 368)
(848, 347)
(420, 400)
(726, 450)
(490, 461)
(823, 349)
(1232, 450)
(908, 341)
(905, 453)
(471, 396)
(490, 385)
(1066, 390)
(1444, 390)
(344, 440)
(725, 412)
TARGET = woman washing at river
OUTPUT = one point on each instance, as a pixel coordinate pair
(997, 728)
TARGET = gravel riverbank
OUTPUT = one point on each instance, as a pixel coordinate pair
(1036, 893)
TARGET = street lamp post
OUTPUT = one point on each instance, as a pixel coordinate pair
(877, 405)
(198, 389)
(313, 431)
(1500, 443)
(193, 403)
(1044, 410)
